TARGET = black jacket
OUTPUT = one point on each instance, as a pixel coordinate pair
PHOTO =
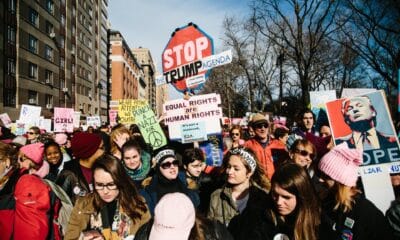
(364, 222)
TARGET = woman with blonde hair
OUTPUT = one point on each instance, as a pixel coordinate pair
(351, 216)
(118, 136)
(246, 185)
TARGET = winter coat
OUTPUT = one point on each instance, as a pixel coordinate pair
(23, 213)
(364, 222)
(84, 217)
(72, 180)
(263, 156)
(223, 208)
(149, 192)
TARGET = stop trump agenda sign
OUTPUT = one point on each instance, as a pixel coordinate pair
(181, 58)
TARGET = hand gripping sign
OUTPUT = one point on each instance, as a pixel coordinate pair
(182, 56)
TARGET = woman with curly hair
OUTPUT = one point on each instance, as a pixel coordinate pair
(114, 210)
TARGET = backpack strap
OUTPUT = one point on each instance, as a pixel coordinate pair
(58, 191)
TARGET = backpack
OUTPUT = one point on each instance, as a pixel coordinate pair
(61, 208)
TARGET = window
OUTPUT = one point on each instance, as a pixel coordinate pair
(48, 51)
(73, 30)
(73, 68)
(48, 76)
(11, 6)
(33, 17)
(11, 66)
(49, 100)
(62, 42)
(62, 83)
(33, 42)
(11, 34)
(49, 28)
(62, 62)
(50, 6)
(73, 11)
(32, 70)
(62, 20)
(32, 97)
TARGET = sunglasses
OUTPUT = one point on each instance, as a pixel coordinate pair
(30, 133)
(167, 165)
(304, 153)
(261, 125)
(235, 134)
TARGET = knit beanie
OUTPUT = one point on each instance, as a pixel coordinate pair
(164, 154)
(34, 152)
(61, 138)
(85, 144)
(43, 171)
(341, 164)
(172, 222)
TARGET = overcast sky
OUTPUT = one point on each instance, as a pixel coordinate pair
(149, 23)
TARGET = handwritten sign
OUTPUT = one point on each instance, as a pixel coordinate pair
(5, 119)
(113, 116)
(94, 121)
(213, 150)
(63, 119)
(30, 115)
(149, 126)
(126, 108)
(192, 132)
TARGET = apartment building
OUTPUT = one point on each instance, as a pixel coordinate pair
(126, 74)
(54, 54)
(145, 59)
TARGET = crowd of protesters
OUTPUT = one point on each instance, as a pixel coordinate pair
(274, 183)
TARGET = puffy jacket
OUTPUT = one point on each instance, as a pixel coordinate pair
(223, 208)
(23, 214)
(84, 217)
(263, 155)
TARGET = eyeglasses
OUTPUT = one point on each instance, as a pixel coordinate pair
(167, 165)
(304, 153)
(30, 133)
(109, 186)
(261, 125)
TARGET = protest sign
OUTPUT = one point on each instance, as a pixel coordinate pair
(349, 92)
(192, 132)
(317, 102)
(212, 149)
(364, 122)
(126, 108)
(30, 115)
(63, 119)
(182, 56)
(5, 119)
(149, 126)
(77, 119)
(93, 121)
(113, 117)
(45, 124)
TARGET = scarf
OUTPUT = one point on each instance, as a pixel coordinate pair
(140, 173)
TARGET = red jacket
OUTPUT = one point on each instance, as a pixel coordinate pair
(27, 219)
(263, 155)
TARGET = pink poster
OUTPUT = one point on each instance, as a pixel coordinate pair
(63, 119)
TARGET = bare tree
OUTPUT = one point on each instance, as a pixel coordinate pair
(372, 27)
(301, 29)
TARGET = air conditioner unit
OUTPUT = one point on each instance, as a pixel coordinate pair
(65, 90)
(73, 52)
(49, 106)
(32, 101)
(90, 96)
(48, 81)
(52, 35)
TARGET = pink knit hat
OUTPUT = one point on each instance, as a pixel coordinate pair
(61, 138)
(174, 218)
(341, 164)
(34, 152)
(43, 170)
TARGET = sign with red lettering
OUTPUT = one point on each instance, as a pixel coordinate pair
(182, 56)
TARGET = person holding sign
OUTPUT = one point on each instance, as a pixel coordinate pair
(351, 216)
(360, 115)
(293, 210)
